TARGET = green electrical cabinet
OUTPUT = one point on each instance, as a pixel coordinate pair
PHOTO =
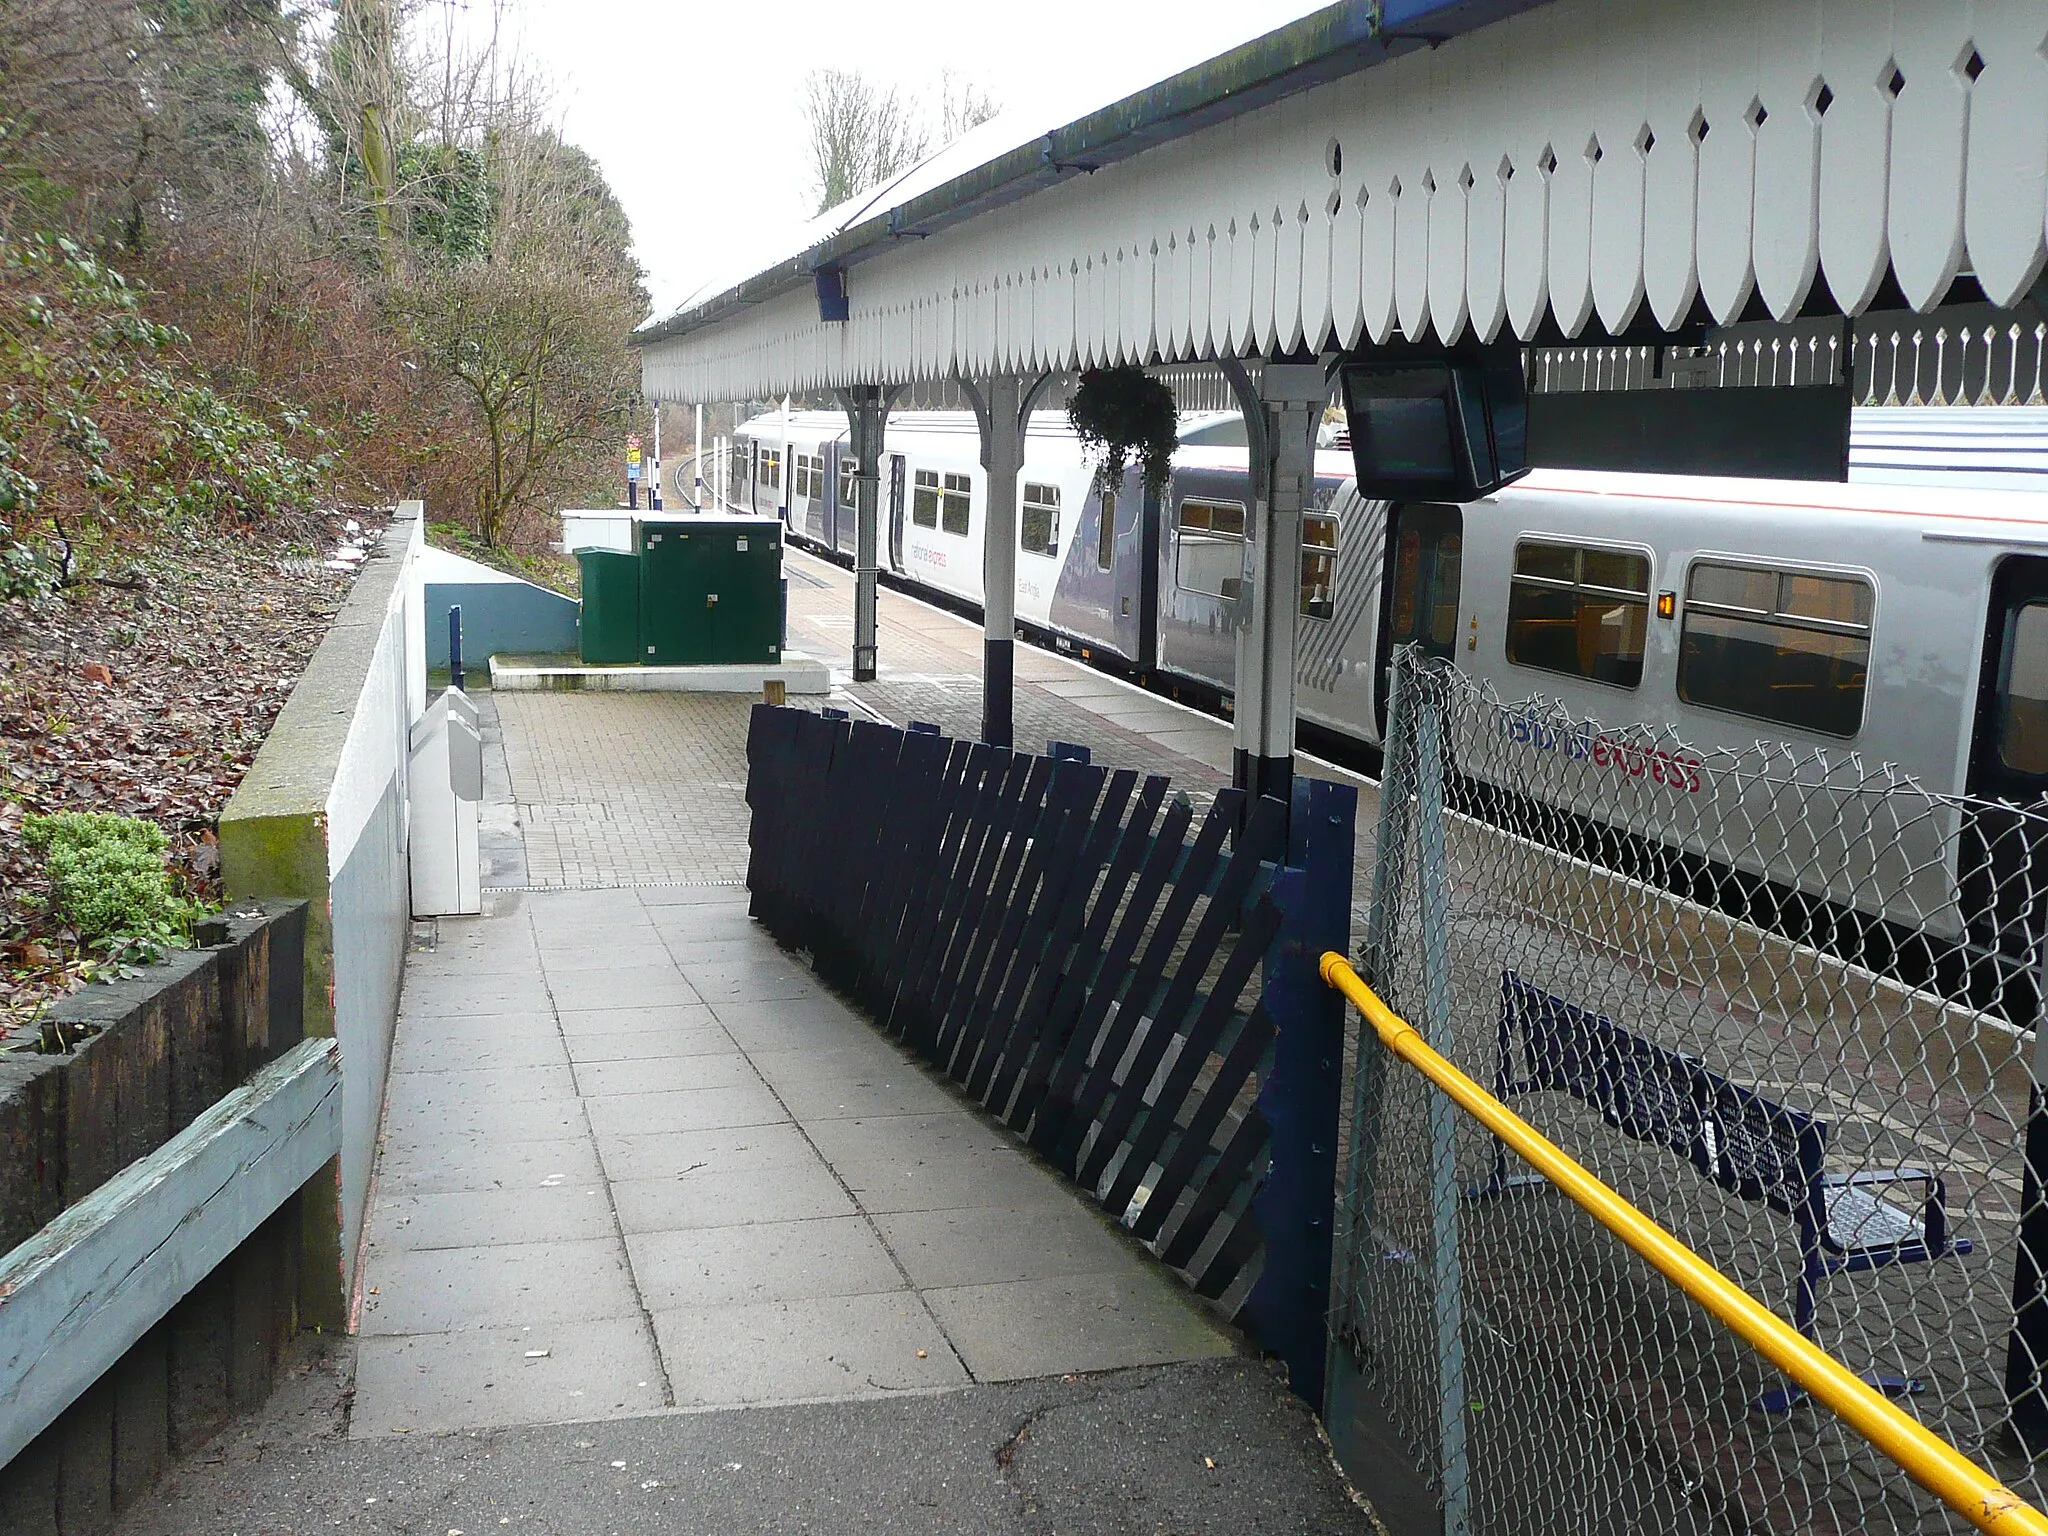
(710, 590)
(608, 627)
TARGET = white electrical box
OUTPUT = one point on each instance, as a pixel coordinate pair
(446, 779)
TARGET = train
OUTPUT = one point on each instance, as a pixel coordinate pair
(1900, 618)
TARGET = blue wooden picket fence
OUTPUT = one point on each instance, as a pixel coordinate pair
(1076, 949)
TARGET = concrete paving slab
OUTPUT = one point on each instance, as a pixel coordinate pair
(489, 1377)
(519, 961)
(1095, 1322)
(424, 1089)
(719, 949)
(637, 986)
(768, 979)
(893, 1183)
(985, 1245)
(822, 1347)
(578, 1018)
(686, 1109)
(665, 1074)
(769, 1261)
(648, 1044)
(484, 1040)
(725, 894)
(476, 1218)
(479, 1164)
(785, 1024)
(440, 1289)
(632, 932)
(740, 1152)
(437, 1125)
(437, 998)
(704, 1198)
(558, 907)
(892, 1092)
(839, 1061)
(938, 1137)
(686, 920)
(631, 948)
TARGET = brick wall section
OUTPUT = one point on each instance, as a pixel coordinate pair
(168, 1044)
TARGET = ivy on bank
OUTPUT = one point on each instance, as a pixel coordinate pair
(102, 428)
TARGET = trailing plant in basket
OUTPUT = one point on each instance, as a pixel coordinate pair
(1124, 414)
(108, 880)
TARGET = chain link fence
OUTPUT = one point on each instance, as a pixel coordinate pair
(1782, 1001)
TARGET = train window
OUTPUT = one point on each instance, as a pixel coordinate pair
(1038, 525)
(1105, 537)
(1318, 565)
(1208, 545)
(2023, 705)
(924, 499)
(849, 475)
(1582, 612)
(809, 476)
(956, 506)
(1790, 647)
(771, 468)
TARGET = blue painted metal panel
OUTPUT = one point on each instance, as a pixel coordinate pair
(1300, 1099)
(505, 618)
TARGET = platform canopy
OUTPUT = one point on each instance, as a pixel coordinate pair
(1418, 168)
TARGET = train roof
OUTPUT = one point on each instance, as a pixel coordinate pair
(1908, 460)
(1045, 423)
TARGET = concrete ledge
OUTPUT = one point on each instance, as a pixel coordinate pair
(553, 674)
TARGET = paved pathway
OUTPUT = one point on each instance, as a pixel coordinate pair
(665, 1238)
(636, 1158)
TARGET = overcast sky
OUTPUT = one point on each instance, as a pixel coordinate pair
(694, 108)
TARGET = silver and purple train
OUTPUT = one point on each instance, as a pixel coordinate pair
(1901, 617)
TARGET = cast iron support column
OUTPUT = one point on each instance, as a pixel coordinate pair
(867, 415)
(1288, 407)
(1002, 410)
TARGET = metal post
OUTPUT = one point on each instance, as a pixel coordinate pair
(867, 414)
(1290, 1303)
(1290, 403)
(783, 472)
(455, 646)
(1002, 455)
(698, 470)
(1002, 409)
(1368, 1089)
(654, 484)
(1447, 1265)
(2026, 1348)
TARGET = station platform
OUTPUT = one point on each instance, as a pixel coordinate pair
(664, 1236)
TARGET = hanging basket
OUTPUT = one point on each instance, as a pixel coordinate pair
(1123, 415)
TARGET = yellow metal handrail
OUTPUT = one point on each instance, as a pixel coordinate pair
(1930, 1460)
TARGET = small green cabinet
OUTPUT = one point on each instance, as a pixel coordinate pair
(710, 590)
(608, 628)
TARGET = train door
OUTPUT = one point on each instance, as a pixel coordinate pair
(898, 473)
(1425, 554)
(2004, 855)
(1150, 510)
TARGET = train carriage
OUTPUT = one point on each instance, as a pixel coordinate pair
(1900, 619)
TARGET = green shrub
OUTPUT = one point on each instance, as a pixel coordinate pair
(108, 879)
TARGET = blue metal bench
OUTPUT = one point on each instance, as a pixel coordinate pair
(1734, 1137)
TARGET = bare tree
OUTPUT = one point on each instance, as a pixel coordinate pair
(962, 105)
(861, 133)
